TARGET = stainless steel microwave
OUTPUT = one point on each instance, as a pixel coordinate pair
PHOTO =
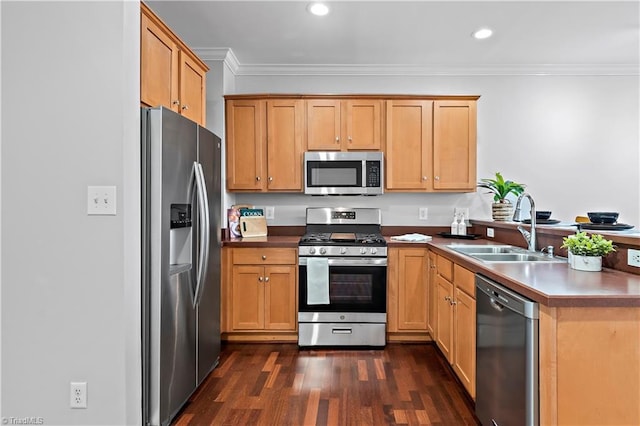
(343, 173)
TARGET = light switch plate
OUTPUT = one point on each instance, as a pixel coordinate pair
(101, 200)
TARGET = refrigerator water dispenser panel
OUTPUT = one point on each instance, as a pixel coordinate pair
(180, 215)
(180, 247)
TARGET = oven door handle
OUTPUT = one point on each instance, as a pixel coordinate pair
(345, 261)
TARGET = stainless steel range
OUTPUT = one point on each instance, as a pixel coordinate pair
(343, 278)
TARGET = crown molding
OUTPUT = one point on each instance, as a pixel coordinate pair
(228, 57)
(224, 54)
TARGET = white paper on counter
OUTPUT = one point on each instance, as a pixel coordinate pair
(413, 238)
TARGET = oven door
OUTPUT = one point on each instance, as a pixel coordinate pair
(355, 285)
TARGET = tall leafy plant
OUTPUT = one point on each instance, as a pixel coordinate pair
(500, 188)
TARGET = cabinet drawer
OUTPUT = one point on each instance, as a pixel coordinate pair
(464, 280)
(267, 256)
(445, 268)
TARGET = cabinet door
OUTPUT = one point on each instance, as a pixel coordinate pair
(432, 285)
(280, 297)
(454, 145)
(158, 66)
(323, 125)
(444, 314)
(409, 145)
(362, 125)
(192, 90)
(247, 295)
(464, 356)
(245, 140)
(285, 135)
(412, 290)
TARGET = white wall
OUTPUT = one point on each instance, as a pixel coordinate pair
(574, 140)
(70, 282)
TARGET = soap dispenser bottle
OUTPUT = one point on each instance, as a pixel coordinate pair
(462, 226)
(454, 225)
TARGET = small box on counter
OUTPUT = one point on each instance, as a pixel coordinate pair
(233, 219)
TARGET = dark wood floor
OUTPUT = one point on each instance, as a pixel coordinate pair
(278, 384)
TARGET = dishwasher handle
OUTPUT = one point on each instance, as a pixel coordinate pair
(496, 305)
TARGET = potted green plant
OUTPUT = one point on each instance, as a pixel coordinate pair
(586, 251)
(501, 209)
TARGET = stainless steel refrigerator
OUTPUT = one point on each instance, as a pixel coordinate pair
(181, 233)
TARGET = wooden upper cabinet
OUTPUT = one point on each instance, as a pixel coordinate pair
(158, 65)
(454, 145)
(265, 140)
(245, 123)
(285, 141)
(409, 145)
(171, 75)
(431, 145)
(344, 125)
(192, 90)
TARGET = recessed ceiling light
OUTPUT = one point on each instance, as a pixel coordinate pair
(318, 9)
(483, 33)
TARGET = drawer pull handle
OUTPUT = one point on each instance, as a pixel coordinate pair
(341, 331)
(264, 257)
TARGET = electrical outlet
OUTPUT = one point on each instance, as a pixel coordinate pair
(633, 258)
(78, 395)
(463, 210)
(101, 200)
(270, 212)
(490, 232)
(423, 213)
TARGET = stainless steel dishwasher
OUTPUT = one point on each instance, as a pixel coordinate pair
(506, 356)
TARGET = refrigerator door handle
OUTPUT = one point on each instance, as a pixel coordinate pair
(203, 205)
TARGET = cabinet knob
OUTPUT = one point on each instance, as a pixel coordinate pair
(437, 178)
(447, 298)
(270, 178)
(185, 107)
(424, 178)
(260, 279)
(258, 178)
(264, 257)
(337, 139)
(350, 140)
(176, 102)
(266, 279)
(452, 302)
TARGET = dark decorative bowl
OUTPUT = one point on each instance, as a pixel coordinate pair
(603, 217)
(543, 215)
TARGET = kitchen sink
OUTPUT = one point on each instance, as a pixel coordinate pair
(482, 249)
(503, 253)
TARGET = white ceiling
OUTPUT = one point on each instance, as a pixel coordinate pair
(601, 37)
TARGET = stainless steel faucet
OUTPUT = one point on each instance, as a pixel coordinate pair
(529, 236)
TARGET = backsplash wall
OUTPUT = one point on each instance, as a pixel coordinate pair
(397, 209)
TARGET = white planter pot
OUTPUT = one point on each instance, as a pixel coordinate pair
(501, 212)
(585, 263)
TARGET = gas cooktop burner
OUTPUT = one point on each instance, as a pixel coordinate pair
(335, 238)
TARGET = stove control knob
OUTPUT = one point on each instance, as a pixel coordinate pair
(312, 250)
(374, 250)
(343, 250)
(323, 250)
(363, 250)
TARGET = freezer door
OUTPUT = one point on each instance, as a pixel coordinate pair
(209, 298)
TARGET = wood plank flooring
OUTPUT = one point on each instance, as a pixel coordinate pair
(278, 384)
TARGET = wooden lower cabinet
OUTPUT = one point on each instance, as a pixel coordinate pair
(455, 319)
(407, 294)
(589, 365)
(259, 294)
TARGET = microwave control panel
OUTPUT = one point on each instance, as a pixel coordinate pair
(373, 173)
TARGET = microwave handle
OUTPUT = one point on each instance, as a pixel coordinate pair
(364, 173)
